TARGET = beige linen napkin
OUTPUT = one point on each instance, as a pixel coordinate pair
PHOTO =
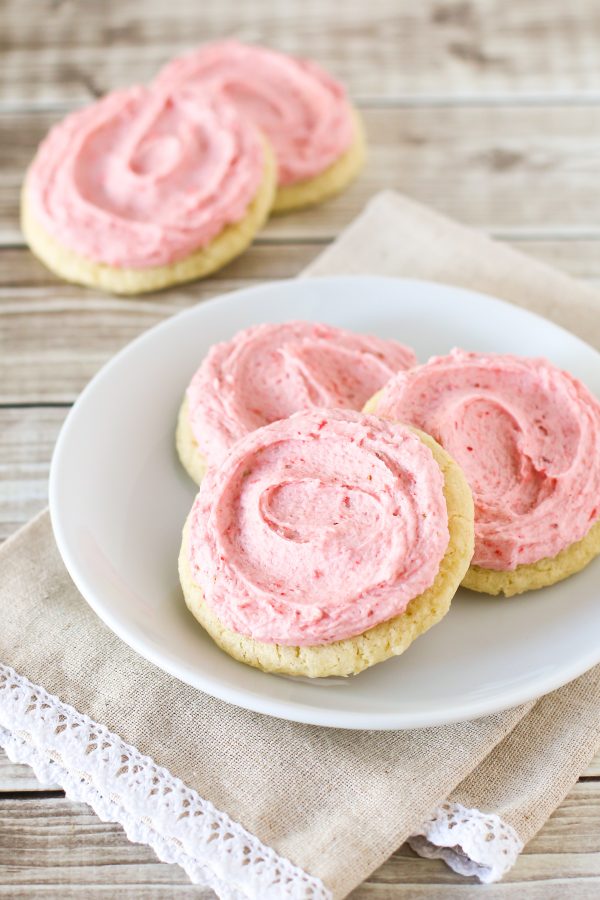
(257, 807)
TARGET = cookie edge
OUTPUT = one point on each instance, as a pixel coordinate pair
(530, 576)
(228, 244)
(188, 451)
(333, 180)
(533, 576)
(352, 655)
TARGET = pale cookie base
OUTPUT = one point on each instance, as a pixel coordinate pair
(529, 577)
(191, 458)
(352, 655)
(536, 575)
(232, 241)
(330, 182)
(370, 407)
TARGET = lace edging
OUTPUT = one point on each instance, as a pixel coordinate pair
(95, 766)
(469, 841)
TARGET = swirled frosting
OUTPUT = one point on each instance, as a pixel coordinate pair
(303, 111)
(526, 435)
(145, 177)
(318, 527)
(269, 371)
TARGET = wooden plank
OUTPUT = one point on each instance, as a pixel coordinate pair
(18, 778)
(593, 770)
(27, 438)
(385, 49)
(518, 171)
(548, 889)
(136, 890)
(46, 325)
(63, 844)
(53, 843)
(574, 827)
(264, 261)
(15, 777)
(60, 341)
(54, 337)
(405, 867)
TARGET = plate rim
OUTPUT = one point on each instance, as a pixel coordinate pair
(291, 710)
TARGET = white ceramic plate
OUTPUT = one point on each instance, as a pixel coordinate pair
(118, 499)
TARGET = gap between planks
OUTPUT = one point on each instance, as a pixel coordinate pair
(16, 778)
(378, 50)
(407, 101)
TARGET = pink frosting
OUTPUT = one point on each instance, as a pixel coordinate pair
(527, 437)
(269, 371)
(318, 527)
(143, 178)
(302, 109)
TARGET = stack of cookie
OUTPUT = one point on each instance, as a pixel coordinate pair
(153, 186)
(324, 539)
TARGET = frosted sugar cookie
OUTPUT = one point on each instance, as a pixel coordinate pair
(270, 371)
(316, 134)
(326, 543)
(145, 189)
(526, 434)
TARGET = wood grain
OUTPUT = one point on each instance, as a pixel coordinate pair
(54, 337)
(593, 770)
(20, 268)
(52, 842)
(58, 842)
(27, 438)
(267, 259)
(387, 49)
(16, 777)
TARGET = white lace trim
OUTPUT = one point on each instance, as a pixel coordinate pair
(96, 767)
(469, 841)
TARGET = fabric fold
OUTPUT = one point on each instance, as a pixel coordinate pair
(330, 804)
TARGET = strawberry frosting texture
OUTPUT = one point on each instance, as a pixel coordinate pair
(267, 372)
(318, 527)
(526, 435)
(303, 111)
(144, 178)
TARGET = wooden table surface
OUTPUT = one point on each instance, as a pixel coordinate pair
(487, 109)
